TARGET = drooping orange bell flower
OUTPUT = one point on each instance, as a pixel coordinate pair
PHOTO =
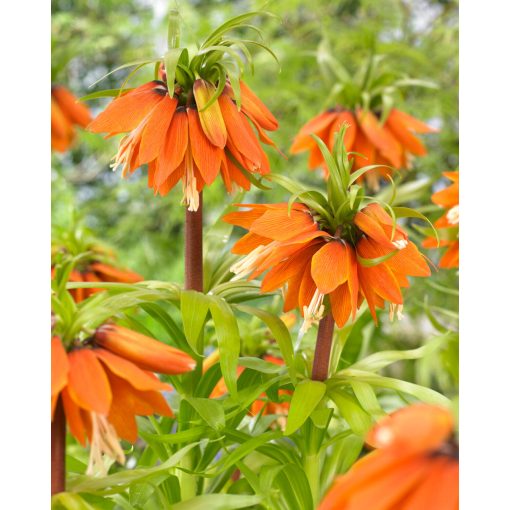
(310, 262)
(448, 224)
(105, 382)
(66, 112)
(415, 466)
(180, 140)
(394, 143)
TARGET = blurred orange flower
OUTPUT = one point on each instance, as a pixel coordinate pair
(447, 198)
(394, 143)
(66, 112)
(179, 140)
(106, 381)
(310, 263)
(415, 466)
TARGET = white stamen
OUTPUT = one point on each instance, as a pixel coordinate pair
(126, 147)
(104, 441)
(400, 244)
(312, 313)
(398, 309)
(249, 263)
(453, 215)
(189, 185)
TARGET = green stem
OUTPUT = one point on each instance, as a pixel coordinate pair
(312, 471)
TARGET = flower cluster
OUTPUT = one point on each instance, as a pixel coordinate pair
(392, 143)
(448, 224)
(415, 466)
(311, 262)
(107, 380)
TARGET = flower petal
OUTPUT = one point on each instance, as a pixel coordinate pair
(329, 266)
(211, 118)
(88, 385)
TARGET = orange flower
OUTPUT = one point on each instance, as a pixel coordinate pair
(66, 112)
(415, 467)
(311, 263)
(98, 272)
(447, 198)
(393, 143)
(104, 384)
(181, 141)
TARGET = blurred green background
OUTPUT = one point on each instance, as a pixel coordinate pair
(91, 37)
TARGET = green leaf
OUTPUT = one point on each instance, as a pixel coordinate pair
(358, 419)
(119, 481)
(294, 487)
(105, 93)
(376, 261)
(407, 212)
(229, 341)
(279, 331)
(194, 308)
(171, 59)
(260, 365)
(304, 400)
(210, 411)
(367, 398)
(358, 173)
(124, 66)
(69, 501)
(174, 29)
(217, 502)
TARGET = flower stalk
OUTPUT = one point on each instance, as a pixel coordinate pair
(193, 265)
(323, 348)
(58, 449)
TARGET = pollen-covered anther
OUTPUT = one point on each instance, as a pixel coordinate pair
(126, 148)
(453, 215)
(249, 263)
(400, 244)
(312, 313)
(398, 309)
(104, 442)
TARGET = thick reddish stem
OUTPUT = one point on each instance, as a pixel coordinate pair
(323, 348)
(193, 265)
(58, 449)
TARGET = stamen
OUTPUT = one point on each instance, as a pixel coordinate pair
(312, 313)
(249, 263)
(191, 195)
(453, 215)
(398, 309)
(104, 442)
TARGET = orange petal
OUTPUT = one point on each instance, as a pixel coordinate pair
(123, 368)
(318, 125)
(240, 134)
(406, 138)
(87, 382)
(59, 366)
(211, 119)
(329, 266)
(126, 112)
(341, 305)
(255, 108)
(410, 122)
(362, 145)
(417, 428)
(451, 257)
(146, 352)
(171, 180)
(383, 140)
(249, 242)
(279, 225)
(155, 131)
(409, 261)
(77, 112)
(439, 488)
(307, 288)
(110, 273)
(207, 156)
(74, 417)
(350, 133)
(175, 146)
(390, 488)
